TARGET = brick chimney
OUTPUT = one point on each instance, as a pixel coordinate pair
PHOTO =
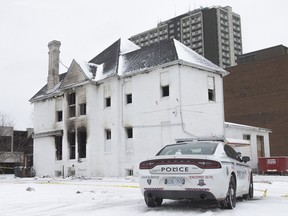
(53, 67)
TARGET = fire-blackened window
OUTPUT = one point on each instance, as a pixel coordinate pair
(72, 142)
(129, 132)
(72, 104)
(108, 134)
(82, 139)
(58, 146)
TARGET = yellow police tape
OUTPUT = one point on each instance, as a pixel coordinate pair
(98, 185)
(264, 192)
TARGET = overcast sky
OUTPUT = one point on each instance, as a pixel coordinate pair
(86, 27)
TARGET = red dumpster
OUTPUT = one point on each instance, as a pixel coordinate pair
(273, 165)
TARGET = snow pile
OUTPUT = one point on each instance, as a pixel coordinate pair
(120, 196)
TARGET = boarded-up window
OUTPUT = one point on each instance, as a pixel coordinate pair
(108, 136)
(58, 146)
(128, 92)
(211, 88)
(107, 96)
(164, 84)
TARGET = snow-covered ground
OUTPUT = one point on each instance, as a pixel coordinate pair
(117, 196)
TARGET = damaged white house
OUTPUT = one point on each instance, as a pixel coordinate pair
(102, 117)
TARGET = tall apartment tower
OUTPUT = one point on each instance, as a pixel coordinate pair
(214, 33)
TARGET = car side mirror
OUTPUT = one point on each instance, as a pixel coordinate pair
(245, 159)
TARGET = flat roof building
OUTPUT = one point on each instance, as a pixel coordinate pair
(256, 92)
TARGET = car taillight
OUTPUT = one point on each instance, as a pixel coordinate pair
(149, 164)
(209, 164)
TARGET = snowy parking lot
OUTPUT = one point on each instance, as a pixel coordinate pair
(120, 196)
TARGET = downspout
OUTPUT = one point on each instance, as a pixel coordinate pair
(180, 103)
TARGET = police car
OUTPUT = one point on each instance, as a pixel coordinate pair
(196, 170)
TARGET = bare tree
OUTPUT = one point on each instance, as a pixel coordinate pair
(6, 135)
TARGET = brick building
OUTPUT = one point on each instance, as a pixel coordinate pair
(256, 93)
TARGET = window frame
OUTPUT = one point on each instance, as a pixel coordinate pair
(71, 101)
(211, 88)
(82, 109)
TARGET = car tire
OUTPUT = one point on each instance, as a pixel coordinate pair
(230, 200)
(153, 202)
(251, 189)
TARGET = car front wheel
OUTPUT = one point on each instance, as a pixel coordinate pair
(153, 202)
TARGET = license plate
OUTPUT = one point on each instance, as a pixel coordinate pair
(174, 181)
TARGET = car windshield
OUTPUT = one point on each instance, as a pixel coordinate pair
(193, 148)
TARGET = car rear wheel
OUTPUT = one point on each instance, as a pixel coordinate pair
(251, 189)
(153, 202)
(230, 200)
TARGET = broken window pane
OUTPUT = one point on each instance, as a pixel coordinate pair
(72, 142)
(83, 109)
(71, 97)
(82, 139)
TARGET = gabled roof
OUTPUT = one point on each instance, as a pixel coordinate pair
(44, 93)
(123, 58)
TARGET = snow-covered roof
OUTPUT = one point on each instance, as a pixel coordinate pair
(124, 57)
(248, 127)
(190, 56)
